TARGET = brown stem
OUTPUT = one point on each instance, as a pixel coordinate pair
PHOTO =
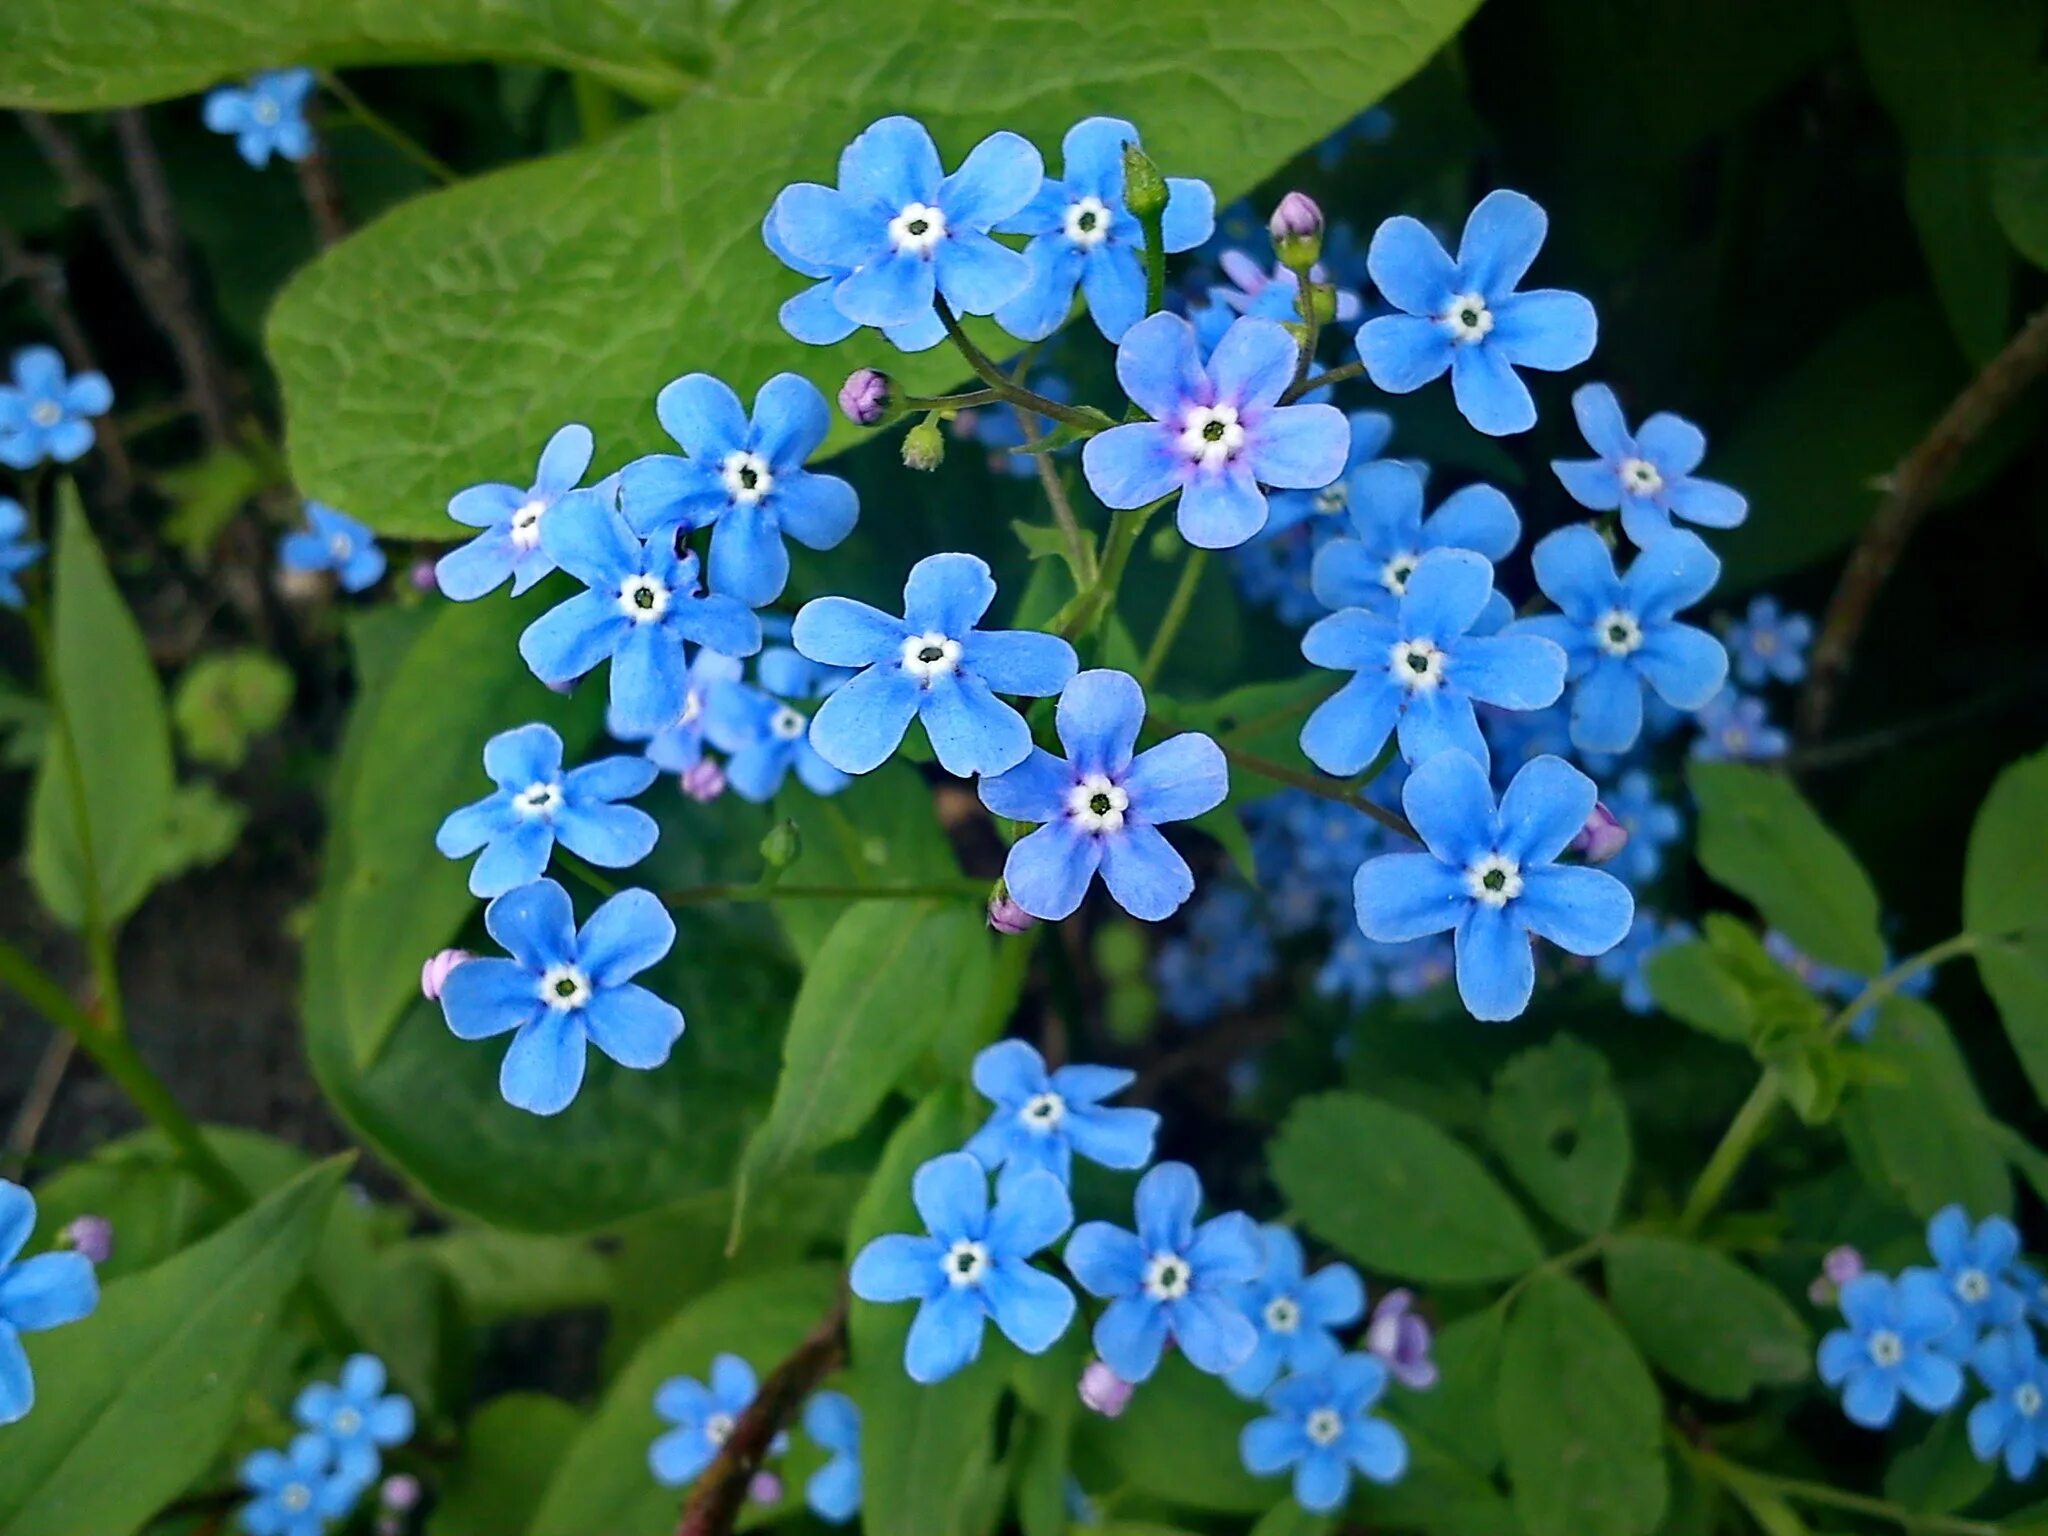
(1909, 491)
(44, 276)
(323, 197)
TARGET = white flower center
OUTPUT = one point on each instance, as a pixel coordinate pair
(1395, 573)
(1416, 664)
(693, 705)
(917, 228)
(540, 798)
(1098, 804)
(1324, 1427)
(46, 413)
(1763, 641)
(786, 724)
(295, 1498)
(1043, 1112)
(1619, 632)
(1332, 498)
(930, 655)
(966, 1262)
(643, 599)
(526, 524)
(747, 477)
(1283, 1315)
(1972, 1286)
(265, 111)
(1167, 1277)
(2026, 1397)
(1211, 435)
(1088, 222)
(564, 988)
(719, 1427)
(347, 1423)
(1639, 477)
(341, 546)
(1887, 1348)
(1468, 319)
(1494, 880)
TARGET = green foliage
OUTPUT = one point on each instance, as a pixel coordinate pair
(1178, 1441)
(1705, 1319)
(1939, 1473)
(2005, 906)
(224, 701)
(200, 828)
(510, 1451)
(1458, 1412)
(881, 830)
(1560, 1128)
(1918, 1129)
(2019, 181)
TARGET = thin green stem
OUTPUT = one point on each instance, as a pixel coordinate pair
(604, 885)
(387, 130)
(1328, 789)
(1887, 985)
(761, 890)
(959, 402)
(1342, 373)
(990, 373)
(1739, 1479)
(1177, 608)
(1091, 606)
(1305, 306)
(1556, 1264)
(1154, 226)
(1080, 548)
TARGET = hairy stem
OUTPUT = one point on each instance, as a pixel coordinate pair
(990, 373)
(1080, 548)
(1342, 373)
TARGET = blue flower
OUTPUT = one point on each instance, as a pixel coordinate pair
(562, 989)
(1492, 877)
(1650, 823)
(1648, 475)
(510, 543)
(1623, 964)
(2010, 1422)
(1102, 807)
(1371, 571)
(1296, 1314)
(1767, 644)
(704, 1418)
(833, 1422)
(1218, 431)
(266, 117)
(1621, 633)
(680, 747)
(1735, 727)
(1977, 1267)
(643, 603)
(1083, 236)
(1370, 433)
(1422, 966)
(296, 1492)
(1041, 1119)
(1322, 1425)
(17, 551)
(357, 1418)
(933, 665)
(1420, 668)
(1238, 226)
(975, 1264)
(46, 415)
(903, 231)
(1169, 1279)
(47, 1291)
(1356, 968)
(813, 316)
(537, 803)
(333, 541)
(1266, 294)
(765, 734)
(1307, 848)
(1894, 1344)
(1465, 315)
(1219, 961)
(745, 477)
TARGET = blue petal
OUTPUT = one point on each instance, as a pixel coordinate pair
(1411, 269)
(1227, 1251)
(1143, 872)
(610, 836)
(826, 228)
(1378, 1450)
(476, 568)
(976, 274)
(564, 460)
(1584, 911)
(1031, 1307)
(1041, 305)
(1686, 666)
(833, 1491)
(1019, 661)
(1270, 1446)
(1035, 790)
(609, 778)
(1450, 803)
(998, 177)
(1576, 572)
(1107, 1260)
(843, 633)
(1706, 502)
(622, 938)
(17, 1220)
(1099, 716)
(947, 593)
(1600, 420)
(632, 1026)
(1673, 444)
(945, 1336)
(1478, 518)
(893, 161)
(1133, 464)
(1166, 1202)
(1543, 810)
(1502, 236)
(1211, 1332)
(529, 754)
(680, 1456)
(1130, 1336)
(1177, 780)
(1489, 393)
(1190, 216)
(469, 828)
(890, 290)
(1515, 671)
(1048, 872)
(1253, 365)
(1546, 328)
(897, 1267)
(1872, 1399)
(1113, 279)
(1446, 593)
(590, 541)
(951, 1195)
(1673, 574)
(814, 317)
(1092, 157)
(748, 560)
(1009, 1072)
(1592, 483)
(1402, 353)
(1113, 1137)
(514, 858)
(1441, 722)
(663, 494)
(1220, 510)
(543, 1068)
(1299, 447)
(816, 510)
(1159, 365)
(535, 924)
(1607, 708)
(972, 731)
(482, 998)
(649, 681)
(48, 1291)
(704, 415)
(1350, 728)
(1496, 965)
(862, 723)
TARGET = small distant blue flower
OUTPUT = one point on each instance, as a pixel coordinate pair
(1420, 668)
(1894, 1344)
(1371, 570)
(1421, 966)
(563, 989)
(1623, 964)
(1307, 848)
(47, 1291)
(1169, 1279)
(2010, 1423)
(17, 551)
(1492, 877)
(1648, 475)
(833, 1422)
(905, 232)
(1466, 316)
(1218, 431)
(1297, 1314)
(975, 1264)
(1843, 986)
(763, 732)
(704, 1418)
(680, 747)
(1651, 824)
(643, 603)
(1323, 1427)
(1977, 1267)
(334, 541)
(537, 803)
(358, 1418)
(1217, 963)
(1102, 808)
(45, 415)
(266, 116)
(743, 479)
(510, 543)
(932, 665)
(1265, 293)
(1769, 645)
(1735, 727)
(1083, 236)
(1355, 970)
(1371, 431)
(1041, 1119)
(1621, 633)
(297, 1491)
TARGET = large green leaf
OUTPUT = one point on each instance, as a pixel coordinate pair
(134, 1403)
(881, 830)
(2019, 179)
(1704, 1318)
(102, 794)
(1559, 1125)
(1178, 1441)
(1919, 1127)
(574, 287)
(511, 1447)
(2005, 903)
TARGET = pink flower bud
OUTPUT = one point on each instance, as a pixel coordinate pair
(1005, 916)
(1105, 1391)
(401, 1491)
(92, 1236)
(765, 1488)
(1838, 1267)
(703, 781)
(423, 578)
(1601, 838)
(1297, 231)
(434, 974)
(864, 397)
(1402, 1338)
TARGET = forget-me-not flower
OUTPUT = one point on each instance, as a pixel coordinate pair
(1218, 430)
(1296, 1314)
(1266, 293)
(833, 1491)
(1977, 1265)
(1371, 431)
(510, 519)
(1896, 1343)
(47, 1291)
(2012, 1422)
(563, 988)
(1736, 727)
(814, 317)
(47, 415)
(333, 541)
(1648, 475)
(1466, 315)
(1371, 570)
(1041, 1118)
(974, 1264)
(1322, 1425)
(297, 1491)
(1768, 645)
(266, 116)
(680, 747)
(1102, 807)
(17, 551)
(765, 734)
(357, 1417)
(704, 1416)
(1217, 962)
(1651, 824)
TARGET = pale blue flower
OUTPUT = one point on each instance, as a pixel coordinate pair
(1894, 1345)
(1977, 1266)
(1297, 1314)
(297, 1491)
(1735, 727)
(333, 541)
(1648, 474)
(764, 733)
(1322, 1426)
(46, 415)
(266, 116)
(1042, 1118)
(357, 1417)
(17, 551)
(36, 1294)
(704, 1417)
(1390, 535)
(2010, 1424)
(833, 1491)
(510, 544)
(1768, 645)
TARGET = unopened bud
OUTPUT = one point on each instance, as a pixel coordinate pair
(864, 397)
(765, 1488)
(1144, 187)
(423, 578)
(1402, 1338)
(434, 974)
(1838, 1267)
(924, 446)
(92, 1236)
(1297, 231)
(1104, 1391)
(401, 1491)
(703, 781)
(1005, 916)
(1601, 838)
(781, 846)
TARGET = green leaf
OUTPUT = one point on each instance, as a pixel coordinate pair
(1760, 838)
(1919, 1130)
(510, 1449)
(1939, 1473)
(201, 828)
(1691, 984)
(484, 304)
(881, 830)
(134, 1403)
(2005, 903)
(227, 699)
(504, 1275)
(1704, 1318)
(1397, 1194)
(1580, 1419)
(1457, 1412)
(1288, 1518)
(2019, 177)
(1560, 1128)
(113, 721)
(1178, 1441)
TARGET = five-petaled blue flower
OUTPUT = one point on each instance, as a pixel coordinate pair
(1218, 430)
(537, 803)
(833, 1491)
(1651, 824)
(1041, 1119)
(1767, 644)
(1370, 433)
(1977, 1266)
(1466, 316)
(17, 551)
(1169, 1279)
(746, 477)
(813, 316)
(1420, 668)
(45, 414)
(1621, 632)
(1492, 877)
(510, 543)
(266, 116)
(1102, 807)
(975, 1264)
(563, 988)
(1735, 727)
(333, 541)
(932, 664)
(764, 733)
(357, 1417)
(1649, 475)
(1083, 235)
(704, 1417)
(296, 1492)
(643, 602)
(904, 232)
(1296, 1314)
(1322, 1425)
(2012, 1422)
(1897, 1342)
(47, 1291)
(680, 747)
(1384, 498)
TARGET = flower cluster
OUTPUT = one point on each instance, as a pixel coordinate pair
(314, 1482)
(702, 1416)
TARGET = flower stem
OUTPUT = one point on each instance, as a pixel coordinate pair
(387, 130)
(1741, 1481)
(964, 889)
(1328, 789)
(1177, 608)
(1305, 306)
(1091, 605)
(986, 369)
(959, 402)
(1342, 373)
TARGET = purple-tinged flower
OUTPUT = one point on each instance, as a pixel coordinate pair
(1895, 1345)
(1838, 1266)
(1007, 918)
(510, 544)
(1767, 644)
(358, 1418)
(266, 116)
(1297, 222)
(1323, 1427)
(1296, 1314)
(1647, 475)
(703, 781)
(434, 971)
(297, 1491)
(833, 1423)
(1602, 838)
(1384, 499)
(92, 1236)
(44, 1292)
(2012, 1422)
(399, 1492)
(1264, 294)
(864, 397)
(333, 541)
(1976, 1263)
(1103, 1391)
(763, 733)
(1042, 1118)
(704, 1417)
(679, 748)
(422, 577)
(1401, 1337)
(17, 551)
(1735, 727)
